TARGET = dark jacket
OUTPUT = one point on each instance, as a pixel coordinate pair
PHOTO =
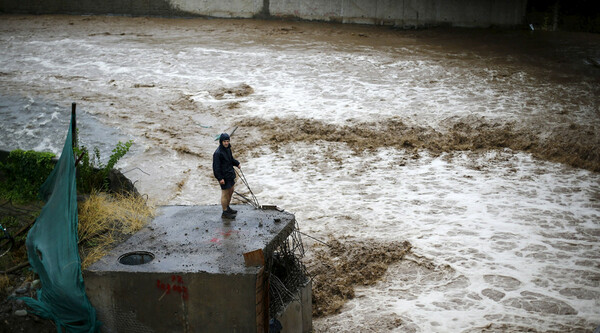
(223, 162)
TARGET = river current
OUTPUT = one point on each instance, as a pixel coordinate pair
(504, 240)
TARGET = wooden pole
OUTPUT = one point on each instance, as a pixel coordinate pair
(74, 117)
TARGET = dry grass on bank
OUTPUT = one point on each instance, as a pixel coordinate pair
(105, 220)
(4, 281)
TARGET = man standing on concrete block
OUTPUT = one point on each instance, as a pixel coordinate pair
(223, 163)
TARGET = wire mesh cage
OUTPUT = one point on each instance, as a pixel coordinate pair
(287, 274)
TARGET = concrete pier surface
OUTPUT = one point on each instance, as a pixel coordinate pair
(197, 239)
(186, 272)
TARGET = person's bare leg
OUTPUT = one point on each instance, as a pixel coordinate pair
(226, 198)
(224, 203)
(229, 196)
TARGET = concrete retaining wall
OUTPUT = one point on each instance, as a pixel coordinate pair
(132, 302)
(464, 13)
(404, 13)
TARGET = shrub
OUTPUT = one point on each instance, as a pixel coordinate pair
(92, 174)
(23, 173)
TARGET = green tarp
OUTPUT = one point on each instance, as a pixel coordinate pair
(53, 253)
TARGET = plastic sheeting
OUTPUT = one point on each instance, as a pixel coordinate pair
(53, 252)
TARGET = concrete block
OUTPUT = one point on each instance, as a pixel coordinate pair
(185, 272)
(295, 317)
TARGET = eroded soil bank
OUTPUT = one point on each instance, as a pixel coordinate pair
(571, 144)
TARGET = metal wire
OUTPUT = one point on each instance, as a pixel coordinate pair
(311, 237)
(136, 168)
(252, 200)
(244, 198)
(280, 288)
(287, 274)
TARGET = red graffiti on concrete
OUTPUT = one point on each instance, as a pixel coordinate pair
(225, 235)
(176, 285)
(228, 233)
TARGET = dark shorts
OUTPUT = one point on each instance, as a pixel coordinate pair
(228, 184)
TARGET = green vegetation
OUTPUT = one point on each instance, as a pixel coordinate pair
(104, 218)
(13, 223)
(92, 174)
(23, 173)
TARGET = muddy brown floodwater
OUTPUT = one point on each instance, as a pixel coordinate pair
(478, 147)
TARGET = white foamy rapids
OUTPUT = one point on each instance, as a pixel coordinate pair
(317, 80)
(499, 238)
